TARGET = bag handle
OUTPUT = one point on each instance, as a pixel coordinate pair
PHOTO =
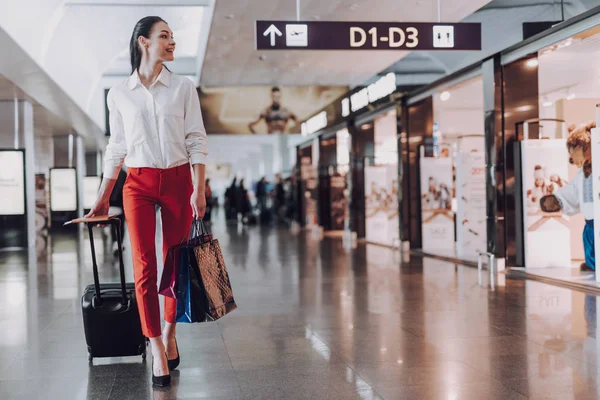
(197, 229)
(116, 225)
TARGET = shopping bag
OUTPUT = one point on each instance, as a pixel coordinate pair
(170, 274)
(214, 279)
(191, 297)
(197, 235)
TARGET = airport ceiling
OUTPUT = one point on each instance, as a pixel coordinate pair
(80, 46)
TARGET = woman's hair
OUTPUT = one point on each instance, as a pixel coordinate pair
(580, 136)
(142, 28)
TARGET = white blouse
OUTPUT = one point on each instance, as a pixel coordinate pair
(158, 127)
(578, 196)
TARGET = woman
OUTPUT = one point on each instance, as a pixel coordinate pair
(157, 130)
(578, 196)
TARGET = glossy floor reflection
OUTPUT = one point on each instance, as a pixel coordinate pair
(315, 321)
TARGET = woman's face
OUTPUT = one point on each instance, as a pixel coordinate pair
(579, 157)
(161, 44)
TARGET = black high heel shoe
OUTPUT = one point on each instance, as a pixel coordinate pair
(160, 381)
(175, 362)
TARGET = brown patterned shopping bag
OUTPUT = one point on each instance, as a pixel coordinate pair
(215, 280)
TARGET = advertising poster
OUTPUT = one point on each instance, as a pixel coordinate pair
(437, 217)
(262, 110)
(41, 204)
(339, 203)
(12, 183)
(547, 237)
(63, 189)
(381, 203)
(471, 198)
(91, 184)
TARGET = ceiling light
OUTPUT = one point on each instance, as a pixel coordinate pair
(523, 108)
(445, 96)
(532, 63)
(547, 103)
(230, 16)
(571, 96)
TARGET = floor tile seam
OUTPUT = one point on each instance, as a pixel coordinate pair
(54, 320)
(112, 386)
(555, 352)
(458, 384)
(347, 365)
(230, 361)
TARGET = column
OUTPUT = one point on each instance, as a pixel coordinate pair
(29, 144)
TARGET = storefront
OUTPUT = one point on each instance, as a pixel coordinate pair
(381, 180)
(444, 209)
(307, 158)
(551, 88)
(334, 155)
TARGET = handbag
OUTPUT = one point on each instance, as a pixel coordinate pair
(170, 276)
(215, 280)
(204, 290)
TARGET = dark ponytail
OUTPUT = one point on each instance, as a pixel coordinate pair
(142, 28)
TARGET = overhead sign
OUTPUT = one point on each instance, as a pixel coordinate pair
(336, 35)
(382, 87)
(314, 124)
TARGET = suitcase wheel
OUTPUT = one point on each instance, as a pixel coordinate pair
(90, 358)
(144, 355)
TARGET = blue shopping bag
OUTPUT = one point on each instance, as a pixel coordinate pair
(191, 296)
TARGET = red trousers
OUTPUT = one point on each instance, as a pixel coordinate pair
(144, 189)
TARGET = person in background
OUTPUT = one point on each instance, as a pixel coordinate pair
(209, 201)
(578, 195)
(243, 202)
(231, 199)
(292, 199)
(280, 199)
(261, 194)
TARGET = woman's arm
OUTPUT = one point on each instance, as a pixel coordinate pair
(116, 151)
(198, 199)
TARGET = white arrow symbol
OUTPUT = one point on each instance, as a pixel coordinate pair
(272, 30)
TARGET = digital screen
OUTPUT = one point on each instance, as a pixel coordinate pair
(63, 189)
(91, 184)
(12, 183)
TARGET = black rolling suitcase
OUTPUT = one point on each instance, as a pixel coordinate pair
(110, 314)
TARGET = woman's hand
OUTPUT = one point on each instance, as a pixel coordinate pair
(100, 208)
(198, 203)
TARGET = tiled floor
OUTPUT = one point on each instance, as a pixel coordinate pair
(315, 321)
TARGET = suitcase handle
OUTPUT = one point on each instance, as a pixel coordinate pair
(116, 225)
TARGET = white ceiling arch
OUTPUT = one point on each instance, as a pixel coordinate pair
(83, 44)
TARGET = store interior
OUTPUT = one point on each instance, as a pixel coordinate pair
(455, 150)
(569, 90)
(381, 183)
